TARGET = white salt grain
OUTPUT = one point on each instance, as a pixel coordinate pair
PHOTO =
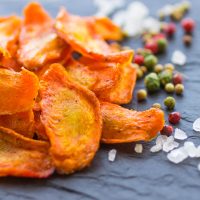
(138, 148)
(196, 125)
(180, 134)
(156, 148)
(198, 166)
(197, 152)
(112, 155)
(170, 144)
(190, 149)
(178, 57)
(177, 155)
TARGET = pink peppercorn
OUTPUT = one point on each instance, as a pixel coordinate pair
(139, 59)
(174, 117)
(177, 79)
(170, 29)
(153, 46)
(188, 25)
(167, 130)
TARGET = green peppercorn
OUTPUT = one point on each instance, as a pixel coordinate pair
(156, 105)
(150, 61)
(169, 66)
(141, 95)
(179, 89)
(165, 77)
(139, 74)
(144, 69)
(158, 68)
(144, 52)
(169, 87)
(151, 82)
(162, 45)
(170, 103)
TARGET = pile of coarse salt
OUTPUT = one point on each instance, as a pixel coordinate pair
(169, 145)
(178, 57)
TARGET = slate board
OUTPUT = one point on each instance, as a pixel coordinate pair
(147, 176)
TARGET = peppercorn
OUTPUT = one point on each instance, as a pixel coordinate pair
(174, 117)
(170, 102)
(139, 59)
(179, 89)
(167, 130)
(146, 38)
(141, 95)
(150, 61)
(139, 73)
(152, 45)
(187, 40)
(151, 82)
(158, 68)
(188, 25)
(165, 77)
(177, 14)
(156, 105)
(177, 78)
(170, 29)
(169, 66)
(162, 45)
(144, 69)
(169, 88)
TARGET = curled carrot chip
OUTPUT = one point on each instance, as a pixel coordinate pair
(121, 125)
(77, 32)
(20, 122)
(18, 91)
(93, 76)
(39, 44)
(72, 119)
(23, 157)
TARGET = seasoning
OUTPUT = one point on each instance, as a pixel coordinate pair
(141, 95)
(174, 117)
(158, 68)
(169, 87)
(152, 45)
(169, 66)
(187, 40)
(150, 61)
(156, 105)
(188, 25)
(177, 79)
(139, 73)
(165, 77)
(167, 130)
(179, 89)
(139, 59)
(170, 102)
(152, 82)
(170, 29)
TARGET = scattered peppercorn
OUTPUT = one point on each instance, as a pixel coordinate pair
(174, 117)
(188, 25)
(156, 105)
(141, 95)
(177, 14)
(158, 68)
(170, 102)
(187, 40)
(144, 69)
(167, 130)
(152, 45)
(150, 61)
(179, 89)
(139, 59)
(139, 73)
(162, 45)
(170, 29)
(151, 82)
(177, 79)
(169, 66)
(165, 77)
(169, 87)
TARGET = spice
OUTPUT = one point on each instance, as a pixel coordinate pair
(152, 82)
(174, 117)
(169, 88)
(150, 61)
(169, 66)
(179, 89)
(158, 68)
(167, 130)
(144, 69)
(170, 103)
(188, 25)
(177, 79)
(165, 77)
(139, 59)
(139, 73)
(170, 29)
(152, 45)
(141, 95)
(156, 105)
(187, 40)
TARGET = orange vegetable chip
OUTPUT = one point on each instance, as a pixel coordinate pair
(72, 119)
(95, 76)
(83, 38)
(18, 91)
(121, 125)
(23, 157)
(39, 44)
(20, 122)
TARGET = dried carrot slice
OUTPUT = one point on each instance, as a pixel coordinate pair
(77, 32)
(39, 44)
(72, 119)
(18, 91)
(121, 125)
(20, 122)
(23, 157)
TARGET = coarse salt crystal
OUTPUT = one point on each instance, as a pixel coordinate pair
(178, 155)
(170, 144)
(159, 143)
(156, 148)
(196, 125)
(198, 166)
(178, 57)
(180, 134)
(138, 148)
(112, 155)
(197, 152)
(190, 149)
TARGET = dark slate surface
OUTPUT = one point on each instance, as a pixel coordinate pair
(147, 176)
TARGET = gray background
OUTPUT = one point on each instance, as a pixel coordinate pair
(131, 176)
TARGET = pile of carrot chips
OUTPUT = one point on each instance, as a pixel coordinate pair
(61, 86)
